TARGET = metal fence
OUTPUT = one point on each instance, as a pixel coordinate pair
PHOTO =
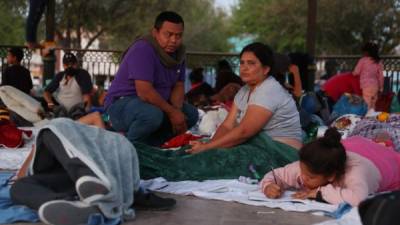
(103, 64)
(330, 65)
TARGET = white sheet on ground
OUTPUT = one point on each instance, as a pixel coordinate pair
(12, 159)
(235, 191)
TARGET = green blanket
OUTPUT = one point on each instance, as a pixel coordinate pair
(224, 163)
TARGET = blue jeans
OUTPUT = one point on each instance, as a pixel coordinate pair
(144, 122)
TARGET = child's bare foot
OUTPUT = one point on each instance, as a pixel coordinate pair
(33, 45)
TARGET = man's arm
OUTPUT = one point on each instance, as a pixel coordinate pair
(52, 87)
(147, 93)
(87, 101)
(177, 95)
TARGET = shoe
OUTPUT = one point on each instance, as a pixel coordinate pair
(61, 212)
(150, 201)
(371, 113)
(90, 188)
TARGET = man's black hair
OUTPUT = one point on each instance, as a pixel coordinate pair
(196, 75)
(69, 58)
(17, 52)
(169, 16)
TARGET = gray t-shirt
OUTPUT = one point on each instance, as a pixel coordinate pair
(285, 120)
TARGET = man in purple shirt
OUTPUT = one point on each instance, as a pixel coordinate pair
(145, 100)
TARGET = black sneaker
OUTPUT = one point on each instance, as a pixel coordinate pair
(61, 212)
(90, 188)
(150, 201)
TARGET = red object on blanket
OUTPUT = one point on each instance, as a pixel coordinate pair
(180, 140)
(11, 136)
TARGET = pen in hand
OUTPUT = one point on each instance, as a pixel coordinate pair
(273, 174)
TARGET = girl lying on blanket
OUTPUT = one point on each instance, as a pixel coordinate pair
(337, 171)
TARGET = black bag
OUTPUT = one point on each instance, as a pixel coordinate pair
(382, 209)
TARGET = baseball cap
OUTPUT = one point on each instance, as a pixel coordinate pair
(69, 58)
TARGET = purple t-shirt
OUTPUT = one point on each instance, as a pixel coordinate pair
(142, 62)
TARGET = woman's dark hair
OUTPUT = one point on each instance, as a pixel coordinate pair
(169, 16)
(196, 75)
(266, 56)
(263, 53)
(372, 50)
(325, 156)
(224, 65)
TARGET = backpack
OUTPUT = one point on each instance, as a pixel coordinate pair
(381, 209)
(11, 136)
(349, 104)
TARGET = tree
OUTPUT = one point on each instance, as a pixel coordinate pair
(206, 29)
(12, 23)
(116, 23)
(342, 26)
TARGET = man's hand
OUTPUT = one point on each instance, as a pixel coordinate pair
(178, 121)
(305, 194)
(50, 106)
(273, 191)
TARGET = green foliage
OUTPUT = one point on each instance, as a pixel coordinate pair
(12, 23)
(205, 28)
(342, 26)
(116, 23)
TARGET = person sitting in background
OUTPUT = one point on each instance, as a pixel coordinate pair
(337, 171)
(370, 70)
(330, 69)
(225, 75)
(262, 105)
(99, 94)
(15, 74)
(289, 74)
(226, 95)
(74, 87)
(200, 91)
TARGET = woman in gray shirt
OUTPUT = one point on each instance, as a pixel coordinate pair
(262, 105)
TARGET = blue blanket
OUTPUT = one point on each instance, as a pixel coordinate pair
(10, 213)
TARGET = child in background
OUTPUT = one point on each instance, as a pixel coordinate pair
(370, 70)
(335, 171)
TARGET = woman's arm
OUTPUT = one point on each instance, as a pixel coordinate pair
(357, 69)
(253, 121)
(228, 124)
(297, 88)
(353, 194)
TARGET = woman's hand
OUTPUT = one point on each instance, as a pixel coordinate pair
(197, 147)
(273, 191)
(306, 194)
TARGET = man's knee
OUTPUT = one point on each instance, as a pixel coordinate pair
(19, 189)
(152, 117)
